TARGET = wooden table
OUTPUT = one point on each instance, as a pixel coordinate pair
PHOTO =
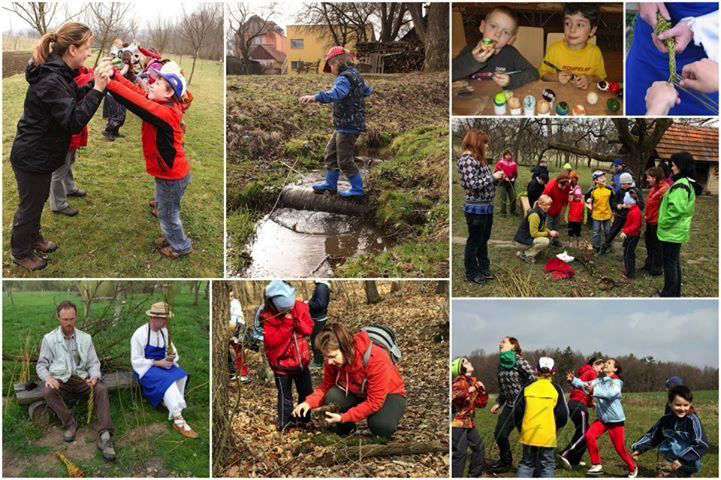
(480, 102)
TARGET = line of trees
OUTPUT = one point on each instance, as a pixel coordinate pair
(197, 32)
(640, 374)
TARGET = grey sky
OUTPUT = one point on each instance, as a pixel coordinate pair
(670, 330)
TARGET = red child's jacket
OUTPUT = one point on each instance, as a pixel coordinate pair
(586, 373)
(162, 130)
(632, 227)
(286, 339)
(575, 211)
(465, 402)
(81, 139)
(558, 195)
(374, 381)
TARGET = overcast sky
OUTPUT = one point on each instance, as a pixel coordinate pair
(670, 330)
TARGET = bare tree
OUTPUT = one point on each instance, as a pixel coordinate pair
(393, 17)
(159, 34)
(432, 30)
(246, 26)
(372, 295)
(106, 20)
(39, 15)
(196, 27)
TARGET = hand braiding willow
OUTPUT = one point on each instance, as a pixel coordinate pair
(661, 26)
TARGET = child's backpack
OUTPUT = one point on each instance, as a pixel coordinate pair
(385, 338)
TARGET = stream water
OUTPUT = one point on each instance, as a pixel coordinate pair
(303, 243)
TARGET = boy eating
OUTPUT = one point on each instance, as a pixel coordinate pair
(495, 54)
(581, 62)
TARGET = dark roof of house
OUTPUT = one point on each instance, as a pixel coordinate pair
(701, 142)
(267, 52)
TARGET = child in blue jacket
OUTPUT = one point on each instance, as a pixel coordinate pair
(348, 99)
(679, 436)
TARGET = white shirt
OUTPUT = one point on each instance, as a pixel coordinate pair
(236, 312)
(138, 341)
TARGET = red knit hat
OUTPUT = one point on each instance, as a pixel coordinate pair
(333, 52)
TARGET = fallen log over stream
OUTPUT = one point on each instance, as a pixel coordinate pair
(304, 198)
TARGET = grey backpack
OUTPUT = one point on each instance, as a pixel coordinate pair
(385, 338)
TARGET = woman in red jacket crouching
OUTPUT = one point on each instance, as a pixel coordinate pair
(372, 388)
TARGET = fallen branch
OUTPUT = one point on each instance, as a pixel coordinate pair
(354, 453)
(321, 263)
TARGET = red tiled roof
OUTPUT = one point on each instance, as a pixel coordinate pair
(701, 142)
(267, 52)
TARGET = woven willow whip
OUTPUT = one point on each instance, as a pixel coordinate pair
(661, 26)
(91, 404)
(73, 470)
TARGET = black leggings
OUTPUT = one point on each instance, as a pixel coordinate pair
(383, 423)
(577, 446)
(284, 384)
(671, 269)
(504, 427)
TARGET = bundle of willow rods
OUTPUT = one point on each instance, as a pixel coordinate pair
(91, 404)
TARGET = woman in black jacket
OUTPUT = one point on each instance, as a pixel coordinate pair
(55, 109)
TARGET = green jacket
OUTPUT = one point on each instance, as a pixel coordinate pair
(677, 209)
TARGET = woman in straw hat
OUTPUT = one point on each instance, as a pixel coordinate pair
(156, 366)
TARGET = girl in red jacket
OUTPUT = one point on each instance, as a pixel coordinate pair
(372, 390)
(578, 404)
(631, 234)
(655, 177)
(286, 327)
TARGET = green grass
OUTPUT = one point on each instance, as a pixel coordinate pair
(408, 191)
(642, 411)
(113, 234)
(698, 257)
(31, 313)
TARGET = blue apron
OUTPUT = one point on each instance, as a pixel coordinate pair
(157, 380)
(645, 64)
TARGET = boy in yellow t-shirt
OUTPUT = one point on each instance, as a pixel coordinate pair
(581, 62)
(598, 199)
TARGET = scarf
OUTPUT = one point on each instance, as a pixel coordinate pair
(508, 359)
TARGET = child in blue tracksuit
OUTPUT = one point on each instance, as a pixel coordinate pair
(606, 392)
(348, 99)
(679, 436)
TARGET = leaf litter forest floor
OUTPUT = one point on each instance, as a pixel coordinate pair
(419, 318)
(269, 135)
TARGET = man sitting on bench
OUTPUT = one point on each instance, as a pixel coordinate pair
(70, 368)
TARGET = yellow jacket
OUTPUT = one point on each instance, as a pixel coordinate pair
(540, 411)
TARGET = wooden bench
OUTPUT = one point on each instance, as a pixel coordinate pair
(35, 401)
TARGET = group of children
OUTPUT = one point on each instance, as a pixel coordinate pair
(581, 63)
(540, 411)
(614, 210)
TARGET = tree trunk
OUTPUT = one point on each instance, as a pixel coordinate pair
(436, 41)
(442, 287)
(372, 295)
(223, 445)
(354, 453)
(303, 198)
(395, 287)
(195, 58)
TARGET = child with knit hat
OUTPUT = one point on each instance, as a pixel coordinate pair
(631, 234)
(539, 412)
(348, 99)
(620, 210)
(575, 211)
(598, 200)
(468, 393)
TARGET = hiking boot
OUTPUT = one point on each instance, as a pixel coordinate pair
(108, 136)
(595, 470)
(565, 463)
(118, 135)
(161, 242)
(479, 280)
(172, 254)
(69, 432)
(154, 211)
(31, 263)
(525, 258)
(330, 184)
(356, 187)
(105, 445)
(244, 379)
(69, 211)
(77, 193)
(153, 203)
(499, 467)
(487, 275)
(46, 246)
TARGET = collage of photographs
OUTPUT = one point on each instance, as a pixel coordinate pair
(360, 239)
